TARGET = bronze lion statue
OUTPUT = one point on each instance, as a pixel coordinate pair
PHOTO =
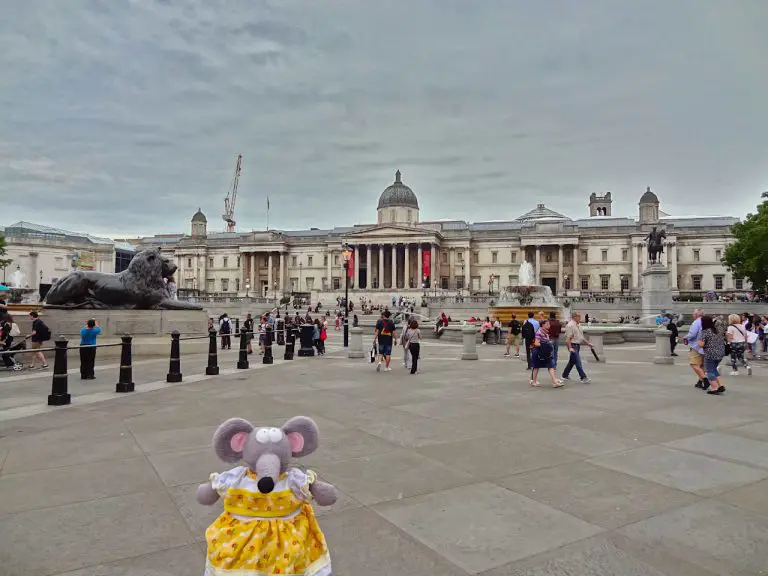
(141, 287)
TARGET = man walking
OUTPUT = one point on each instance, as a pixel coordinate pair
(574, 338)
(695, 352)
(513, 336)
(384, 336)
(529, 329)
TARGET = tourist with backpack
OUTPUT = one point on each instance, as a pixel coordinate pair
(528, 332)
(225, 329)
(40, 333)
(513, 336)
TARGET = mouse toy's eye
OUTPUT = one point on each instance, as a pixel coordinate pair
(275, 435)
(262, 436)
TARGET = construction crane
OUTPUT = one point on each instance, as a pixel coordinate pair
(229, 201)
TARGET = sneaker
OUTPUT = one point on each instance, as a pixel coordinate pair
(517, 355)
(585, 380)
(388, 369)
(17, 367)
(734, 373)
(565, 378)
(699, 384)
(506, 354)
(378, 367)
(749, 370)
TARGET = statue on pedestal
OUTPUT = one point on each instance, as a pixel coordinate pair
(655, 241)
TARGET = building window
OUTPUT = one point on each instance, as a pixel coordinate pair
(513, 281)
(459, 282)
(310, 284)
(293, 260)
(585, 282)
(513, 257)
(475, 258)
(444, 282)
(718, 255)
(738, 283)
(210, 285)
(718, 282)
(225, 284)
(696, 278)
(604, 255)
(225, 261)
(210, 262)
(567, 283)
(696, 255)
(460, 256)
(624, 283)
(335, 259)
(237, 284)
(336, 283)
(605, 282)
(584, 255)
(567, 256)
(624, 254)
(189, 262)
(309, 261)
(548, 256)
(294, 284)
(494, 257)
(325, 260)
(443, 257)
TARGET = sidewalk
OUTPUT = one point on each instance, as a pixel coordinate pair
(461, 469)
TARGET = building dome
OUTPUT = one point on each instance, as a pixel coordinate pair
(649, 197)
(199, 217)
(398, 194)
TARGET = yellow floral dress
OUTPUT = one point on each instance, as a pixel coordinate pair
(265, 534)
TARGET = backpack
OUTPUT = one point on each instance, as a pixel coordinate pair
(323, 334)
(528, 331)
(545, 350)
(515, 327)
(43, 332)
(226, 326)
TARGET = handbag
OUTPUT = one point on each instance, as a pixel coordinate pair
(15, 330)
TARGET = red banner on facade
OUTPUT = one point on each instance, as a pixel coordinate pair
(351, 266)
(426, 270)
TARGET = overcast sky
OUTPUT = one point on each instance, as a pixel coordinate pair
(124, 117)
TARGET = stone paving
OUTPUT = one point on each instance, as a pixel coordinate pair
(461, 469)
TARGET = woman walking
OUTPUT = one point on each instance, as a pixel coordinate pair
(713, 344)
(414, 345)
(737, 341)
(485, 329)
(404, 344)
(88, 335)
(542, 356)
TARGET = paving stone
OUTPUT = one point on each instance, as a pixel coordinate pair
(54, 540)
(174, 440)
(182, 561)
(718, 537)
(559, 412)
(753, 497)
(362, 542)
(583, 441)
(187, 466)
(483, 526)
(349, 443)
(756, 430)
(392, 476)
(79, 483)
(727, 447)
(639, 429)
(717, 416)
(597, 495)
(677, 469)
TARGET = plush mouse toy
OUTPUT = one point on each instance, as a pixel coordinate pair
(268, 525)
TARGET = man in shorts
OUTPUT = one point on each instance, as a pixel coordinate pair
(513, 336)
(695, 352)
(384, 336)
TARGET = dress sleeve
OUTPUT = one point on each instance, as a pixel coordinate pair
(299, 482)
(223, 481)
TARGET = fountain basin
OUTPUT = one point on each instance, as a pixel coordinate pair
(520, 300)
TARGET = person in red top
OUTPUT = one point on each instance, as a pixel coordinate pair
(555, 328)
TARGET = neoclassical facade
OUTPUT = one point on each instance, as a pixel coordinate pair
(400, 252)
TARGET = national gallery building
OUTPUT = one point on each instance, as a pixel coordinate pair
(401, 252)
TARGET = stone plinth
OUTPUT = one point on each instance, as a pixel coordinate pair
(663, 347)
(137, 323)
(657, 293)
(356, 343)
(469, 341)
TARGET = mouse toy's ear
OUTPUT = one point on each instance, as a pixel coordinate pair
(230, 438)
(303, 435)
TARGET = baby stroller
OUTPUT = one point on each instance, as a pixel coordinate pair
(9, 359)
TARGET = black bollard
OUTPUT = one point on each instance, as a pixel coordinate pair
(268, 359)
(242, 361)
(280, 333)
(125, 381)
(290, 343)
(59, 395)
(307, 348)
(213, 356)
(237, 326)
(174, 369)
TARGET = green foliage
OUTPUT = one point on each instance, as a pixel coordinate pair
(285, 300)
(3, 261)
(747, 257)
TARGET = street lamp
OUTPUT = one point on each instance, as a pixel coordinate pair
(434, 284)
(490, 285)
(347, 253)
(274, 292)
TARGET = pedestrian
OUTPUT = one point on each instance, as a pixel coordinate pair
(40, 333)
(88, 335)
(555, 328)
(713, 345)
(737, 340)
(414, 345)
(542, 356)
(323, 337)
(696, 352)
(496, 331)
(316, 335)
(674, 334)
(404, 344)
(485, 329)
(384, 335)
(574, 339)
(248, 328)
(528, 331)
(225, 331)
(513, 336)
(8, 331)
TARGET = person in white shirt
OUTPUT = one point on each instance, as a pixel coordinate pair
(737, 340)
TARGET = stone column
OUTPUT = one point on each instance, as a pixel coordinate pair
(538, 264)
(469, 342)
(368, 268)
(381, 267)
(433, 267)
(245, 264)
(663, 347)
(356, 342)
(356, 279)
(634, 266)
(394, 266)
(270, 285)
(407, 267)
(329, 269)
(468, 271)
(254, 272)
(420, 264)
(576, 284)
(560, 287)
(282, 271)
(452, 268)
(673, 265)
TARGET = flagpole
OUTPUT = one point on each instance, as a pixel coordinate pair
(267, 213)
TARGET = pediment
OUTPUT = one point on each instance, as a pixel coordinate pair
(391, 230)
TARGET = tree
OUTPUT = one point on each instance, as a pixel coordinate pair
(747, 256)
(4, 262)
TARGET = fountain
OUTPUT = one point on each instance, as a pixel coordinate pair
(525, 297)
(17, 279)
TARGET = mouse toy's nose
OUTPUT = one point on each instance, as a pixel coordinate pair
(266, 485)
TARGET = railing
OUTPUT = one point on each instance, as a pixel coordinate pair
(285, 335)
(607, 298)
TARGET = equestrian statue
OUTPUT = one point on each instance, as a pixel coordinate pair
(655, 241)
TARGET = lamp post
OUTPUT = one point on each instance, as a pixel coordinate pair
(490, 285)
(434, 285)
(274, 292)
(347, 253)
(300, 268)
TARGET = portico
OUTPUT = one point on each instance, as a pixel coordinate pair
(401, 263)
